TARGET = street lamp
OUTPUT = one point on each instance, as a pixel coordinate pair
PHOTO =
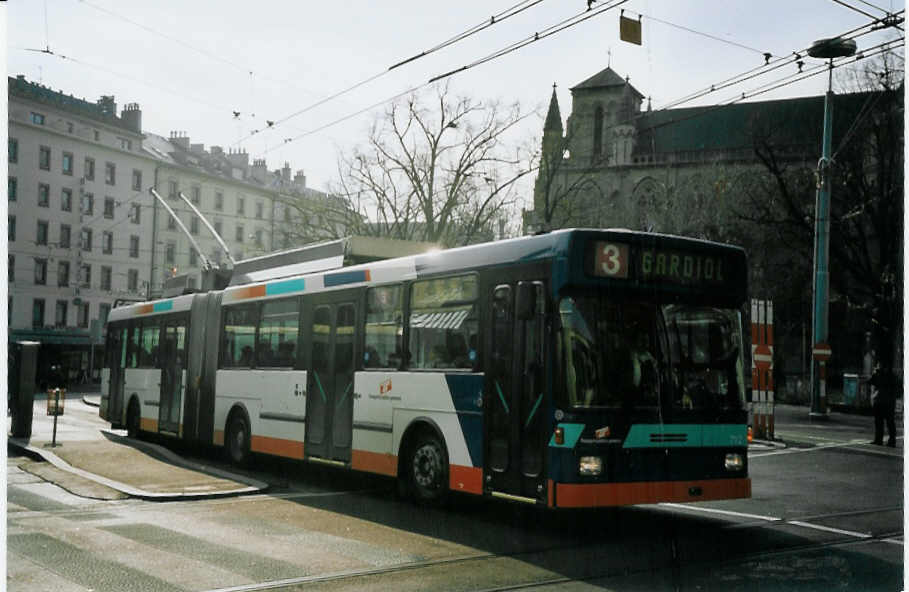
(826, 49)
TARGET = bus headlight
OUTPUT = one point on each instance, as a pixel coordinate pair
(590, 465)
(734, 462)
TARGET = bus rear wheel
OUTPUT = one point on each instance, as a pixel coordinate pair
(238, 440)
(133, 420)
(428, 469)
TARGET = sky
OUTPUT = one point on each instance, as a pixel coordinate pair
(191, 64)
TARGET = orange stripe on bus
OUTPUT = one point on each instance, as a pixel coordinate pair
(277, 446)
(374, 462)
(468, 479)
(148, 425)
(582, 495)
(218, 438)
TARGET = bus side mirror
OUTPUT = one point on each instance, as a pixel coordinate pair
(526, 304)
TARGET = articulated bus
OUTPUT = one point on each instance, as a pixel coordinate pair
(577, 368)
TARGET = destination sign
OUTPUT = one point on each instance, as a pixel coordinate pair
(621, 261)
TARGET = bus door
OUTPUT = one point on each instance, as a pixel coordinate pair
(514, 405)
(173, 362)
(329, 391)
(117, 365)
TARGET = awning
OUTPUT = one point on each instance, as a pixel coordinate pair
(51, 336)
(439, 320)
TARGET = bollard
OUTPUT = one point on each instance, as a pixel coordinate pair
(55, 399)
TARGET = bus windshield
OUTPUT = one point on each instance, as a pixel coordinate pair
(635, 354)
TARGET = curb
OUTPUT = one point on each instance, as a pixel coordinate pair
(767, 444)
(253, 485)
(90, 403)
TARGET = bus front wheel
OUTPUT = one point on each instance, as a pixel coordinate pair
(238, 440)
(428, 469)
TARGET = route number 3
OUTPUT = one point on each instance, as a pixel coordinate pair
(611, 260)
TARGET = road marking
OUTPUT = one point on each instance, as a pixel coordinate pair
(813, 448)
(799, 523)
(852, 533)
(893, 542)
(718, 511)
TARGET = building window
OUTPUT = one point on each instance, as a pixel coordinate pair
(172, 189)
(194, 225)
(105, 277)
(41, 234)
(109, 207)
(97, 135)
(196, 195)
(44, 158)
(219, 201)
(241, 205)
(12, 150)
(132, 280)
(87, 205)
(110, 173)
(258, 238)
(239, 233)
(126, 144)
(60, 315)
(11, 186)
(40, 271)
(38, 312)
(134, 247)
(85, 275)
(66, 199)
(65, 234)
(63, 274)
(11, 268)
(137, 180)
(193, 257)
(171, 223)
(107, 242)
(67, 163)
(260, 207)
(69, 127)
(11, 228)
(103, 312)
(84, 312)
(86, 239)
(89, 169)
(43, 195)
(218, 227)
(135, 213)
(37, 118)
(170, 252)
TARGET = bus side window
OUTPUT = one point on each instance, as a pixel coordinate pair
(148, 347)
(278, 328)
(384, 327)
(444, 323)
(238, 335)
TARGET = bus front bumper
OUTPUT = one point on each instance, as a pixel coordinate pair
(588, 495)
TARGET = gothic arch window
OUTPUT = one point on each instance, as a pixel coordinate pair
(598, 131)
(648, 200)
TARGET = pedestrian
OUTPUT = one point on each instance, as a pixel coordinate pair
(883, 401)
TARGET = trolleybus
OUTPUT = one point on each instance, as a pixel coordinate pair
(577, 368)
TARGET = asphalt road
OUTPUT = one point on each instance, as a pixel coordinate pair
(826, 514)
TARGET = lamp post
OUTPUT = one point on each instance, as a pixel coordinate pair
(825, 49)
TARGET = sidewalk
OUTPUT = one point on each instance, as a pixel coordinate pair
(795, 427)
(88, 450)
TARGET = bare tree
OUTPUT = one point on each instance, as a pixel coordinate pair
(866, 214)
(435, 168)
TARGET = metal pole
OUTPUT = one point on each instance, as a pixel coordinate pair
(821, 258)
(56, 409)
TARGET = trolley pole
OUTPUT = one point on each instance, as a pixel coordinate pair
(825, 49)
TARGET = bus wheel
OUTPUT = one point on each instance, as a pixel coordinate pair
(133, 419)
(238, 440)
(428, 469)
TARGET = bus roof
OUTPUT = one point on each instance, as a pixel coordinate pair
(525, 249)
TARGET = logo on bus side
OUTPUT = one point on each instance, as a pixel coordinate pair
(385, 387)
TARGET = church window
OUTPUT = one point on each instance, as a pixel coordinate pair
(598, 131)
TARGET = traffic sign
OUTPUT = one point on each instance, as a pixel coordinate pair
(821, 352)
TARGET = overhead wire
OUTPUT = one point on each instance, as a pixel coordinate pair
(850, 7)
(696, 32)
(495, 19)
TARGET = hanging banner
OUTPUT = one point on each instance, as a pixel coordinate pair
(630, 30)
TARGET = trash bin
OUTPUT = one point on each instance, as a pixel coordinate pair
(850, 389)
(23, 367)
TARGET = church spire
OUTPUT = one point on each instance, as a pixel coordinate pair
(553, 117)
